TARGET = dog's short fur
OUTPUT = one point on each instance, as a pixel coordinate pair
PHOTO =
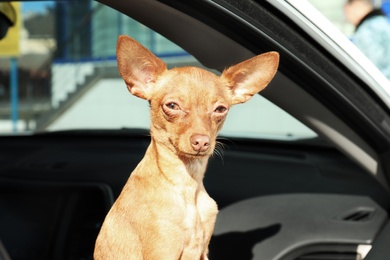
(164, 211)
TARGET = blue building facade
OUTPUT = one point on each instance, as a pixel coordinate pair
(94, 35)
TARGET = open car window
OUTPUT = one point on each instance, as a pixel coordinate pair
(68, 78)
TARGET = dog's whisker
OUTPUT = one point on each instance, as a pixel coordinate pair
(218, 151)
(225, 139)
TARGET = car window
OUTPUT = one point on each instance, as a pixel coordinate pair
(68, 79)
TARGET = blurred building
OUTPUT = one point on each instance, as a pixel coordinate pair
(73, 30)
(87, 30)
(84, 63)
(35, 43)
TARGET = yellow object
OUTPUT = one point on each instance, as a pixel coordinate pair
(8, 10)
(9, 46)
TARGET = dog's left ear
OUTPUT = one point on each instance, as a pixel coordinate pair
(138, 66)
(250, 76)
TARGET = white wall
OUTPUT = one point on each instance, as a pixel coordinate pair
(109, 105)
(66, 76)
(261, 118)
(7, 126)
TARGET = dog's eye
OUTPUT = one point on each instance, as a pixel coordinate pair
(172, 106)
(220, 109)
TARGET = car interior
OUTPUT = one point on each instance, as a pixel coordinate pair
(320, 198)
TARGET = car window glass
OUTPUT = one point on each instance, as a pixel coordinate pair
(68, 78)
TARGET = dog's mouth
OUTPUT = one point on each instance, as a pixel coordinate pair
(191, 153)
(195, 154)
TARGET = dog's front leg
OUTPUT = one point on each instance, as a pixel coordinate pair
(208, 210)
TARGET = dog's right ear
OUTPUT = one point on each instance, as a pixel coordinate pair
(138, 66)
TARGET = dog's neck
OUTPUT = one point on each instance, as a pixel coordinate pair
(176, 168)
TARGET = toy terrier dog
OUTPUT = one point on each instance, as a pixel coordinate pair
(164, 211)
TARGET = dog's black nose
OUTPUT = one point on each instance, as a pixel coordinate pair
(200, 143)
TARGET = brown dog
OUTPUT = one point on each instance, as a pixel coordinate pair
(164, 211)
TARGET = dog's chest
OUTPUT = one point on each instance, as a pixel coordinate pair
(193, 225)
(199, 222)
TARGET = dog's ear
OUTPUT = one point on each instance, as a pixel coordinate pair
(250, 76)
(138, 66)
